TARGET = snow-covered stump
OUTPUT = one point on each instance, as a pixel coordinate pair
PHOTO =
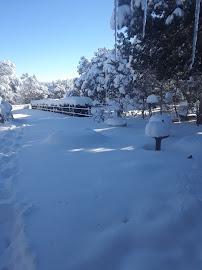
(158, 128)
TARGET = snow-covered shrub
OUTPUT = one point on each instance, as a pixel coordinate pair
(9, 84)
(5, 110)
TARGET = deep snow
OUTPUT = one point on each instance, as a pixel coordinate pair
(87, 196)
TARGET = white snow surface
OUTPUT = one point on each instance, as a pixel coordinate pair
(79, 195)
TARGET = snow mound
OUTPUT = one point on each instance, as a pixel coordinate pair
(189, 144)
(159, 126)
(86, 138)
(116, 122)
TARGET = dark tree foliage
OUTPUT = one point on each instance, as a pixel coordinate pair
(166, 48)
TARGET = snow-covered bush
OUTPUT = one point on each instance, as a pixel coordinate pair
(9, 84)
(5, 110)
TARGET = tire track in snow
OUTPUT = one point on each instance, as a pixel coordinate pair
(14, 253)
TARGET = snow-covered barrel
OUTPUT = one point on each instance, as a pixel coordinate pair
(158, 128)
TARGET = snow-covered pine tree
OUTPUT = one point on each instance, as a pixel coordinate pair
(32, 89)
(9, 84)
(167, 46)
(104, 77)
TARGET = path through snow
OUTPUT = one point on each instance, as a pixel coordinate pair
(14, 254)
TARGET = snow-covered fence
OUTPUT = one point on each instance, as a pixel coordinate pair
(72, 106)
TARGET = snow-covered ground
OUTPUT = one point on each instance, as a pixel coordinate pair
(83, 196)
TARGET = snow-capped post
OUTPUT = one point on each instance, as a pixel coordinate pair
(158, 128)
(152, 101)
(145, 18)
(195, 35)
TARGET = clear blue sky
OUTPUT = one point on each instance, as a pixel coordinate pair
(48, 37)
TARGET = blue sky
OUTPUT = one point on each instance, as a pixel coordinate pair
(48, 37)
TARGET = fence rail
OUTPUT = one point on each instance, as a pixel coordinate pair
(68, 110)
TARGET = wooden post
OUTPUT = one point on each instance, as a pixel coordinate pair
(158, 142)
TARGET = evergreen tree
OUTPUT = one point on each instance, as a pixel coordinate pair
(105, 77)
(32, 89)
(9, 84)
(166, 50)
